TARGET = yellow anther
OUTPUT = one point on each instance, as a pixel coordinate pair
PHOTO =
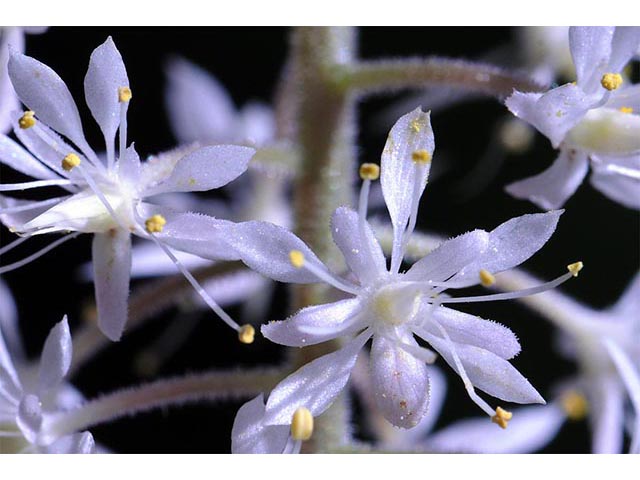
(124, 94)
(421, 156)
(70, 162)
(502, 417)
(626, 109)
(155, 223)
(302, 424)
(611, 81)
(415, 126)
(574, 404)
(369, 171)
(486, 278)
(296, 257)
(246, 334)
(27, 120)
(575, 268)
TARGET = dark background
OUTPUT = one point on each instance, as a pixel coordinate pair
(247, 61)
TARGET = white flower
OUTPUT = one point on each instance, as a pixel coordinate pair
(592, 121)
(107, 200)
(27, 402)
(391, 307)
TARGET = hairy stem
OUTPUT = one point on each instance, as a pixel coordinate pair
(175, 391)
(383, 75)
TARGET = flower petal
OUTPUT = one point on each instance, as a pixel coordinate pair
(400, 382)
(314, 386)
(56, 356)
(510, 244)
(624, 46)
(346, 235)
(105, 75)
(9, 327)
(77, 443)
(590, 49)
(19, 159)
(552, 188)
(629, 302)
(622, 189)
(450, 257)
(257, 123)
(129, 166)
(111, 254)
(200, 109)
(472, 330)
(488, 372)
(265, 247)
(411, 133)
(331, 319)
(530, 429)
(249, 433)
(553, 113)
(205, 169)
(15, 221)
(29, 418)
(44, 92)
(606, 413)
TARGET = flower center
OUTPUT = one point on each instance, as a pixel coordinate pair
(395, 304)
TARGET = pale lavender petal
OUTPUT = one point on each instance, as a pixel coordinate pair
(9, 327)
(44, 92)
(450, 257)
(105, 75)
(412, 132)
(16, 157)
(265, 248)
(9, 100)
(510, 244)
(488, 372)
(257, 122)
(624, 46)
(111, 255)
(400, 382)
(366, 261)
(249, 433)
(314, 386)
(200, 109)
(331, 320)
(553, 113)
(129, 166)
(205, 169)
(150, 261)
(77, 443)
(472, 330)
(15, 221)
(530, 429)
(9, 380)
(625, 96)
(622, 189)
(629, 302)
(553, 187)
(56, 356)
(29, 418)
(606, 412)
(590, 49)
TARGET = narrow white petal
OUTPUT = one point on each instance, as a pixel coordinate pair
(606, 412)
(530, 429)
(400, 382)
(314, 386)
(56, 356)
(205, 169)
(105, 75)
(29, 418)
(619, 188)
(344, 229)
(624, 46)
(331, 320)
(9, 327)
(553, 187)
(249, 433)
(257, 123)
(17, 220)
(129, 166)
(590, 49)
(112, 266)
(77, 443)
(19, 159)
(629, 302)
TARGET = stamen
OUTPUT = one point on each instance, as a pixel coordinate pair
(124, 94)
(27, 120)
(10, 187)
(70, 161)
(421, 353)
(37, 255)
(611, 81)
(574, 404)
(246, 334)
(302, 425)
(13, 245)
(30, 206)
(626, 109)
(574, 268)
(486, 278)
(369, 171)
(501, 417)
(155, 223)
(296, 257)
(421, 156)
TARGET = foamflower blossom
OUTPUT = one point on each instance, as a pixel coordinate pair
(593, 121)
(26, 403)
(106, 198)
(391, 307)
